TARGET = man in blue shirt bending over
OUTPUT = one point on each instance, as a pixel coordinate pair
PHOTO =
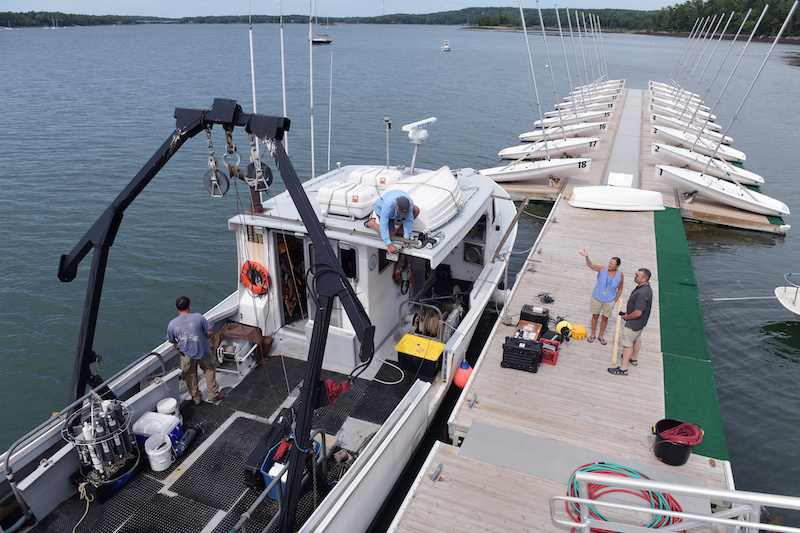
(391, 207)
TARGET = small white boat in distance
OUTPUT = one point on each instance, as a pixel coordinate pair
(672, 122)
(672, 89)
(682, 123)
(610, 198)
(545, 168)
(446, 46)
(581, 108)
(719, 190)
(788, 295)
(557, 148)
(682, 157)
(569, 130)
(677, 103)
(703, 145)
(574, 118)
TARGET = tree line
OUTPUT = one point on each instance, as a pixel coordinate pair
(677, 18)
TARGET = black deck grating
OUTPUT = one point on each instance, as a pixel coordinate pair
(169, 514)
(130, 499)
(379, 400)
(217, 478)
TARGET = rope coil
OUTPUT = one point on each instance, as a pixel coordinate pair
(657, 500)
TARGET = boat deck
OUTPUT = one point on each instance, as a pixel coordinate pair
(204, 490)
(525, 433)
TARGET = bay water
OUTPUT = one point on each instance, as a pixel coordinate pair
(84, 108)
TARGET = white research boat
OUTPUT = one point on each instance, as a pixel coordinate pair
(682, 157)
(692, 182)
(571, 146)
(293, 260)
(544, 168)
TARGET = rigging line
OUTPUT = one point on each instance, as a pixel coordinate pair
(550, 67)
(533, 76)
(330, 111)
(311, 83)
(283, 85)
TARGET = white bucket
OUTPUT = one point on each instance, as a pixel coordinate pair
(159, 451)
(169, 406)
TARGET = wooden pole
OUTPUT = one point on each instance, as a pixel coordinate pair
(616, 333)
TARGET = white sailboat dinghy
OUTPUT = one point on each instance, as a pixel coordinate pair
(676, 156)
(388, 335)
(719, 190)
(543, 169)
(571, 146)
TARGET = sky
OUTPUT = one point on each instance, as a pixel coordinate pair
(329, 8)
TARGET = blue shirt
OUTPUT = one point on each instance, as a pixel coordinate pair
(607, 284)
(190, 333)
(386, 209)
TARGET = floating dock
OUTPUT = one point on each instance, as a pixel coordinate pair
(519, 436)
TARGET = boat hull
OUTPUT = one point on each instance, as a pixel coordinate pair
(609, 198)
(719, 190)
(569, 147)
(543, 169)
(676, 156)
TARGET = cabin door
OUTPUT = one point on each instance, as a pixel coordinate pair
(292, 266)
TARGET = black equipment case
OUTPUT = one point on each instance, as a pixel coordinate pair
(521, 354)
(280, 427)
(540, 315)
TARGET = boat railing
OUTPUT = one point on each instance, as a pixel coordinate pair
(795, 285)
(40, 439)
(735, 510)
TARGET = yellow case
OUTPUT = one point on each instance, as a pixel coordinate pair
(578, 331)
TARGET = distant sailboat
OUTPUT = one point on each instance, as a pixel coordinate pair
(320, 38)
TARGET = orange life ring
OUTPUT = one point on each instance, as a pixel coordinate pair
(255, 277)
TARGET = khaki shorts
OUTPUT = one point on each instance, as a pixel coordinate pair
(629, 337)
(597, 307)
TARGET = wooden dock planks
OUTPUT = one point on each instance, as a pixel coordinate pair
(576, 402)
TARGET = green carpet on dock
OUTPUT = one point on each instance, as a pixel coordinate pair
(690, 394)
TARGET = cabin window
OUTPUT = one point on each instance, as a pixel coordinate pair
(478, 231)
(255, 235)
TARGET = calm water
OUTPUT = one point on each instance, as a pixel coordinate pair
(84, 108)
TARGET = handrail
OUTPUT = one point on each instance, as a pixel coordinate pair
(743, 505)
(59, 417)
(795, 285)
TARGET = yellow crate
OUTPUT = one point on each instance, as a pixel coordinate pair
(578, 331)
(421, 347)
(420, 355)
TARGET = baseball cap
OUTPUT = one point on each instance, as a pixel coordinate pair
(403, 205)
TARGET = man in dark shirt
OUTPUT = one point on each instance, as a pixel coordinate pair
(635, 316)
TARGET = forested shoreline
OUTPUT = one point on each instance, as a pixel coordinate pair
(678, 18)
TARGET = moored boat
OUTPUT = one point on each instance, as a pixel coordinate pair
(331, 299)
(719, 190)
(542, 169)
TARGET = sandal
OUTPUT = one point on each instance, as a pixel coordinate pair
(602, 341)
(617, 371)
(590, 339)
(366, 222)
(634, 362)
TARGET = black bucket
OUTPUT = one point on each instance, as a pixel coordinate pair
(668, 452)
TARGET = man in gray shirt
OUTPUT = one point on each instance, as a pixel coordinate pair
(189, 333)
(636, 314)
